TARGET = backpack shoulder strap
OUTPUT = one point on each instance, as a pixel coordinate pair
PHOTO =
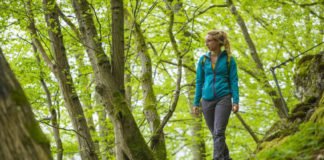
(228, 62)
(203, 61)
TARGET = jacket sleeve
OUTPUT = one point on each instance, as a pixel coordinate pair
(199, 81)
(234, 81)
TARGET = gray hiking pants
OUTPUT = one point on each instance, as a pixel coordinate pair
(216, 113)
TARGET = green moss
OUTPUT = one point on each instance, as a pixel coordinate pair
(301, 145)
(270, 144)
(305, 59)
(318, 115)
(303, 70)
(19, 97)
(37, 134)
(306, 62)
(32, 126)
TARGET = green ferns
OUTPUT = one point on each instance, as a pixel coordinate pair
(299, 146)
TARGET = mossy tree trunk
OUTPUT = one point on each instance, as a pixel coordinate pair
(151, 113)
(118, 65)
(20, 136)
(110, 80)
(197, 148)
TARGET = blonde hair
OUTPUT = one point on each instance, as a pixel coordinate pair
(221, 37)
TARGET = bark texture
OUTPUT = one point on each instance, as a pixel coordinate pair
(20, 135)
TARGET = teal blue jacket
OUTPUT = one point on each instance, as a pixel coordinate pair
(214, 83)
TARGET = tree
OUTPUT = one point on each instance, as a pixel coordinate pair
(20, 136)
(61, 71)
(110, 83)
(52, 110)
(259, 72)
(150, 103)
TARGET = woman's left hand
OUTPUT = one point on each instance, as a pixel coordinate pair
(235, 108)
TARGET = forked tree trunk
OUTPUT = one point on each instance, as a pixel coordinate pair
(109, 85)
(20, 134)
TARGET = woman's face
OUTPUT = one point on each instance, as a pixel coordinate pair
(211, 43)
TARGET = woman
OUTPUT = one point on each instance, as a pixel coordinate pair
(216, 84)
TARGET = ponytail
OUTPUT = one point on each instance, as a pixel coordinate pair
(222, 38)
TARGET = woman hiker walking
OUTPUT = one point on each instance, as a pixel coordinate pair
(216, 85)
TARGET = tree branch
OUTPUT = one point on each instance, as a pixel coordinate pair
(251, 73)
(67, 21)
(35, 40)
(183, 65)
(95, 14)
(149, 11)
(247, 127)
(179, 75)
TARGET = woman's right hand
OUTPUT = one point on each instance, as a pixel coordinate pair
(195, 110)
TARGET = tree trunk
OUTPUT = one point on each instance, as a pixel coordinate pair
(62, 73)
(198, 148)
(118, 65)
(151, 113)
(174, 103)
(120, 153)
(20, 135)
(105, 128)
(85, 98)
(55, 124)
(128, 92)
(103, 133)
(118, 57)
(282, 109)
(107, 85)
